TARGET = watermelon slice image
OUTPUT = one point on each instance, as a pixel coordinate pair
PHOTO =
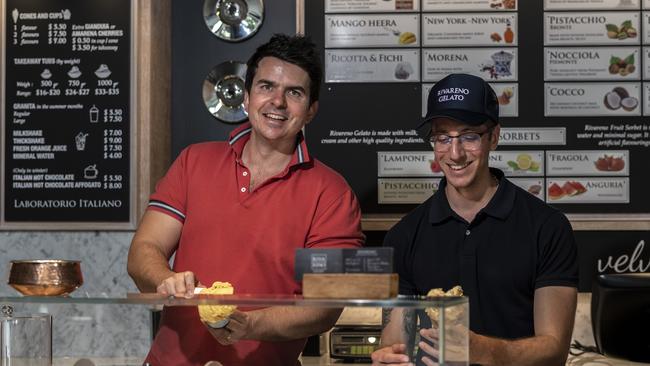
(569, 189)
(580, 189)
(555, 192)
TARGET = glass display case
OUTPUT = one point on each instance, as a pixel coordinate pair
(93, 327)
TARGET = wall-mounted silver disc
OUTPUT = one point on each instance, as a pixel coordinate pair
(223, 91)
(233, 20)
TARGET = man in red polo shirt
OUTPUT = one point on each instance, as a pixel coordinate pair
(236, 211)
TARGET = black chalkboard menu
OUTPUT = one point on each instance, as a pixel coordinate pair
(67, 128)
(572, 79)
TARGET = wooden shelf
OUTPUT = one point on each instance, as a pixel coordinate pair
(641, 222)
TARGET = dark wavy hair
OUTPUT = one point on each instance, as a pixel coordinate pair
(298, 50)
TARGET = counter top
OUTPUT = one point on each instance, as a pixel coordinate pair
(587, 359)
(242, 300)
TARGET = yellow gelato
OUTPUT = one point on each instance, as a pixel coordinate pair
(216, 316)
(452, 313)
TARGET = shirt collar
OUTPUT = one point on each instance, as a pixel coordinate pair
(499, 206)
(240, 136)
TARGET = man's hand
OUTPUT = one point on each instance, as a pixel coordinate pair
(179, 284)
(239, 327)
(392, 355)
(456, 345)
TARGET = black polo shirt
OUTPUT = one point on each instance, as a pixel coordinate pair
(514, 245)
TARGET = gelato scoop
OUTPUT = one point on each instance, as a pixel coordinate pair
(216, 316)
(103, 71)
(403, 70)
(74, 72)
(46, 74)
(452, 313)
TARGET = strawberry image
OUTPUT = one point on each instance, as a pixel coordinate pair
(610, 163)
(617, 164)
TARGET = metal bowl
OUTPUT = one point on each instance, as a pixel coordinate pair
(45, 277)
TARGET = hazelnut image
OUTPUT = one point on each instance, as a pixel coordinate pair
(630, 68)
(623, 72)
(614, 69)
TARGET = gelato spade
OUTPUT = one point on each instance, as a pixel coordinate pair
(216, 316)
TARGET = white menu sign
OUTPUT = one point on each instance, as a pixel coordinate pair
(646, 4)
(646, 28)
(507, 95)
(469, 5)
(390, 30)
(532, 136)
(591, 163)
(406, 190)
(491, 64)
(646, 97)
(592, 63)
(534, 186)
(588, 190)
(407, 164)
(614, 28)
(378, 6)
(592, 99)
(372, 66)
(518, 163)
(646, 63)
(591, 4)
(477, 29)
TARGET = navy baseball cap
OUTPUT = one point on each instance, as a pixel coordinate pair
(465, 98)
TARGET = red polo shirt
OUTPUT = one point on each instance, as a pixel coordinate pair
(247, 238)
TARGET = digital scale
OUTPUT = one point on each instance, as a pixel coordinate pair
(354, 342)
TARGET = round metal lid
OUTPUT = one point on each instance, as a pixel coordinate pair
(233, 20)
(223, 91)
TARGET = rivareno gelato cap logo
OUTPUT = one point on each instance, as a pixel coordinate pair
(452, 94)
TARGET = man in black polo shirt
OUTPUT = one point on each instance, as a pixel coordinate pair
(513, 255)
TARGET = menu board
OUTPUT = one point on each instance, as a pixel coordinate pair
(66, 151)
(572, 80)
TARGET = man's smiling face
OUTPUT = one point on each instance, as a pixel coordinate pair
(278, 103)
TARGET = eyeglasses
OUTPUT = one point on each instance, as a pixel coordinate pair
(469, 140)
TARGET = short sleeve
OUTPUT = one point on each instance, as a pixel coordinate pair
(558, 257)
(400, 242)
(337, 223)
(170, 196)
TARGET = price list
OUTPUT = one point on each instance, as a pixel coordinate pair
(66, 122)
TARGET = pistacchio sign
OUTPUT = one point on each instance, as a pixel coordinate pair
(66, 120)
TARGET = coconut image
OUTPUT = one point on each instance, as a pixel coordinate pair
(612, 100)
(629, 103)
(622, 92)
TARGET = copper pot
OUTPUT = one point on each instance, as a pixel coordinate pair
(45, 277)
